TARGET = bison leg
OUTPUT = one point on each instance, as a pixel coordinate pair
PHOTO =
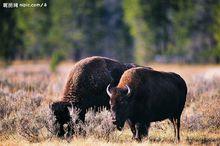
(132, 127)
(70, 131)
(178, 129)
(61, 131)
(145, 132)
(173, 120)
(82, 115)
(82, 119)
(141, 130)
(138, 135)
(176, 125)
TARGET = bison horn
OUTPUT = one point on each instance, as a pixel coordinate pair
(108, 91)
(129, 90)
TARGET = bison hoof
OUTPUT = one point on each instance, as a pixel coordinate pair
(138, 139)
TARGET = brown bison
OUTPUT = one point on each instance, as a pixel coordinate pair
(85, 88)
(143, 96)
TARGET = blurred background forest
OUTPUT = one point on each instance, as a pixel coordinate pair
(186, 31)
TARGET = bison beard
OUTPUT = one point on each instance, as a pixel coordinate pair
(154, 96)
(85, 87)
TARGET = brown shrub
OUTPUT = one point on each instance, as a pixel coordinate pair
(97, 124)
(23, 109)
(202, 108)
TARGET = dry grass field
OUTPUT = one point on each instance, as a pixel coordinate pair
(26, 89)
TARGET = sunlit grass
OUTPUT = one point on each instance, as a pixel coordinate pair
(155, 138)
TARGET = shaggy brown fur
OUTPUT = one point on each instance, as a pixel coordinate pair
(149, 96)
(85, 87)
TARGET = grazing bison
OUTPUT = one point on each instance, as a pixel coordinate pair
(85, 88)
(143, 96)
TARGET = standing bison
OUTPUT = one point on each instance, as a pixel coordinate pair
(143, 96)
(85, 88)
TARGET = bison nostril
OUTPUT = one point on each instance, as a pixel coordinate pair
(114, 122)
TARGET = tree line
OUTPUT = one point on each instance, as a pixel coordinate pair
(128, 30)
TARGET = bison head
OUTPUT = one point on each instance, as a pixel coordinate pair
(61, 112)
(119, 103)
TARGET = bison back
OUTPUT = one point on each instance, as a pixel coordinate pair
(157, 95)
(89, 78)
